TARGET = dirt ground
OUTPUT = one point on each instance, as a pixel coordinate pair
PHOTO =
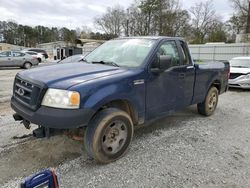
(181, 150)
(6, 82)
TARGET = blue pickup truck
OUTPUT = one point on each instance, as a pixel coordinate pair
(123, 83)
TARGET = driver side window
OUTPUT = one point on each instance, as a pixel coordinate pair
(168, 48)
(5, 54)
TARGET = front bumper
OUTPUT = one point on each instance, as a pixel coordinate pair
(239, 83)
(53, 117)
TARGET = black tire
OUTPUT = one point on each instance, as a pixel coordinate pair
(39, 60)
(27, 65)
(208, 106)
(108, 135)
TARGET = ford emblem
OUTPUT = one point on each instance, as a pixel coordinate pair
(21, 91)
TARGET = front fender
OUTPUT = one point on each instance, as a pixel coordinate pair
(134, 95)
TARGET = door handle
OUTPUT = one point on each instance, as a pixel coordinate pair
(9, 59)
(190, 67)
(182, 75)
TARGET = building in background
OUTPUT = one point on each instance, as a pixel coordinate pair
(88, 45)
(61, 49)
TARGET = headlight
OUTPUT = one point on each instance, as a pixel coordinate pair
(247, 76)
(58, 98)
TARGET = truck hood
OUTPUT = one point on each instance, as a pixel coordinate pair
(64, 76)
(239, 70)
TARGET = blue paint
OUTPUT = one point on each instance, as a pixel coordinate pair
(159, 94)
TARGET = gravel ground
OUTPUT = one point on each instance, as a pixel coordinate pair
(181, 150)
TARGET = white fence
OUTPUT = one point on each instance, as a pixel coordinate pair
(219, 51)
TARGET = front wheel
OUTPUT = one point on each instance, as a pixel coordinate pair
(109, 135)
(208, 106)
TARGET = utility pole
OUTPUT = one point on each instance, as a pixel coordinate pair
(24, 37)
(160, 18)
(127, 22)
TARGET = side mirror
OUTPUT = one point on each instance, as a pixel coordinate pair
(164, 62)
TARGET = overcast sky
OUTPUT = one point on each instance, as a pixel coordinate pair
(75, 13)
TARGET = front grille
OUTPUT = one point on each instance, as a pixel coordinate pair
(27, 93)
(235, 75)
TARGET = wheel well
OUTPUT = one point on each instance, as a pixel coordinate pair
(27, 62)
(217, 84)
(125, 106)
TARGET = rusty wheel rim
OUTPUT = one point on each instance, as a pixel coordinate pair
(115, 136)
(212, 101)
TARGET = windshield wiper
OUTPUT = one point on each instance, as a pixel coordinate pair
(84, 60)
(106, 63)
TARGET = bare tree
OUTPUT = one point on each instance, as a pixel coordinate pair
(203, 20)
(85, 32)
(140, 17)
(174, 21)
(149, 9)
(242, 8)
(235, 25)
(112, 22)
(157, 17)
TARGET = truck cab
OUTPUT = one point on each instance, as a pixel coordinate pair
(123, 83)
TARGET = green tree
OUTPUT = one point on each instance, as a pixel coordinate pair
(67, 35)
(218, 34)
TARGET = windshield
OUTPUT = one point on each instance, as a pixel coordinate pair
(122, 52)
(72, 59)
(244, 63)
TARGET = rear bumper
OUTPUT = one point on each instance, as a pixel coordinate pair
(54, 118)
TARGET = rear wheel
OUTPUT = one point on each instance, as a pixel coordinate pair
(208, 106)
(108, 135)
(27, 65)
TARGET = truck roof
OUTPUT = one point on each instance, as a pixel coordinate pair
(243, 57)
(151, 37)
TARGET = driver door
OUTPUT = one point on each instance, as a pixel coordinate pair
(168, 91)
(5, 58)
(162, 87)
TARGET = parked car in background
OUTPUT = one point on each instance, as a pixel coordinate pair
(73, 59)
(17, 59)
(40, 57)
(240, 72)
(38, 50)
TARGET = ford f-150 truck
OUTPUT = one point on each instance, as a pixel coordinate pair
(123, 83)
